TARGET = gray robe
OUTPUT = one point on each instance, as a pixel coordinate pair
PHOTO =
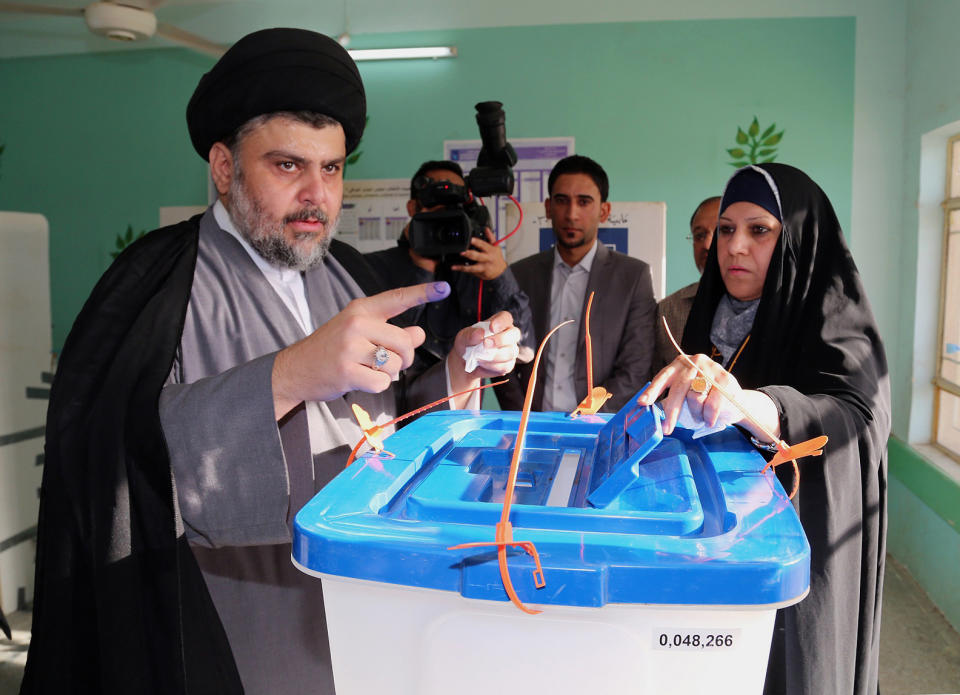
(240, 478)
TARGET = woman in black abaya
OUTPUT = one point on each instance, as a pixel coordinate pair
(781, 305)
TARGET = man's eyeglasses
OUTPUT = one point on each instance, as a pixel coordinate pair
(699, 237)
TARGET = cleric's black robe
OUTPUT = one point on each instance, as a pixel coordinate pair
(120, 605)
(815, 350)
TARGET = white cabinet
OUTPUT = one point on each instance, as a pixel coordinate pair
(25, 365)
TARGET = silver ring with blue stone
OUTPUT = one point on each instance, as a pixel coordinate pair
(380, 356)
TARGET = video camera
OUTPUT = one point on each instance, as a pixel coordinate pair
(447, 232)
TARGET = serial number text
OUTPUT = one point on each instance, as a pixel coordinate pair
(695, 640)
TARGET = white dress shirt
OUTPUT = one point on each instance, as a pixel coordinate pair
(568, 289)
(286, 282)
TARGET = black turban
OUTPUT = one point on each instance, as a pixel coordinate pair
(277, 70)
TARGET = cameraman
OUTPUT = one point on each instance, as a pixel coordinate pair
(402, 265)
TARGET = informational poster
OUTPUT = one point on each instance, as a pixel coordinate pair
(374, 213)
(636, 229)
(535, 158)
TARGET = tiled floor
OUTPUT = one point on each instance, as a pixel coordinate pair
(13, 653)
(919, 650)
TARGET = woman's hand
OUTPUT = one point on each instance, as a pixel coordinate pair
(705, 403)
(685, 385)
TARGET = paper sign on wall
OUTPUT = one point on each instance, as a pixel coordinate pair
(374, 213)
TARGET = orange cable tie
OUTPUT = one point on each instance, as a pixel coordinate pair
(596, 396)
(371, 431)
(504, 530)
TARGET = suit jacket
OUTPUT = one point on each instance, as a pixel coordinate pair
(675, 308)
(622, 327)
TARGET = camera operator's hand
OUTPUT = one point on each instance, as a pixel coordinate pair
(505, 341)
(488, 260)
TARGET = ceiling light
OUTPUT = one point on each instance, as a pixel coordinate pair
(404, 53)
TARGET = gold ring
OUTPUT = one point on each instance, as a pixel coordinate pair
(699, 384)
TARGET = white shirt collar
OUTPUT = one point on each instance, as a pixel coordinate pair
(586, 262)
(286, 282)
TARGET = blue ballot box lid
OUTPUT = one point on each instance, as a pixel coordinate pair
(618, 512)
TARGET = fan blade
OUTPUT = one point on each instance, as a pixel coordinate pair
(185, 38)
(40, 9)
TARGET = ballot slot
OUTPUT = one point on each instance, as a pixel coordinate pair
(563, 479)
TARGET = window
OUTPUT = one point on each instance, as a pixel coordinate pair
(946, 420)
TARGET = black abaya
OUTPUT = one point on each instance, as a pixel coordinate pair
(814, 348)
(120, 604)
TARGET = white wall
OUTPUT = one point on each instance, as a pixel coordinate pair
(24, 356)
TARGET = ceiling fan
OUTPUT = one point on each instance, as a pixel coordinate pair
(131, 21)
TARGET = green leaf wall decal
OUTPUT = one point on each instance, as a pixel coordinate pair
(773, 139)
(759, 148)
(125, 239)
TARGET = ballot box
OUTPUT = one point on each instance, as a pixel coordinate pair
(664, 559)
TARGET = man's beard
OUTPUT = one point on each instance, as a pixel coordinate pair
(265, 233)
(570, 244)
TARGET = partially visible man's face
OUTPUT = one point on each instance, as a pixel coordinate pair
(286, 190)
(575, 210)
(701, 229)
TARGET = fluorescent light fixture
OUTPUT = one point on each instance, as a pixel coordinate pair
(403, 53)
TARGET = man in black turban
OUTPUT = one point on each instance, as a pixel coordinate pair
(205, 392)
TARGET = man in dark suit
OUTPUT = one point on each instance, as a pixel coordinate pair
(558, 283)
(676, 307)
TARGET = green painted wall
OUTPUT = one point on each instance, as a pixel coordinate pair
(924, 529)
(96, 142)
(656, 103)
(931, 101)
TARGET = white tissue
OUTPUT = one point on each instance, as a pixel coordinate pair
(474, 353)
(728, 416)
